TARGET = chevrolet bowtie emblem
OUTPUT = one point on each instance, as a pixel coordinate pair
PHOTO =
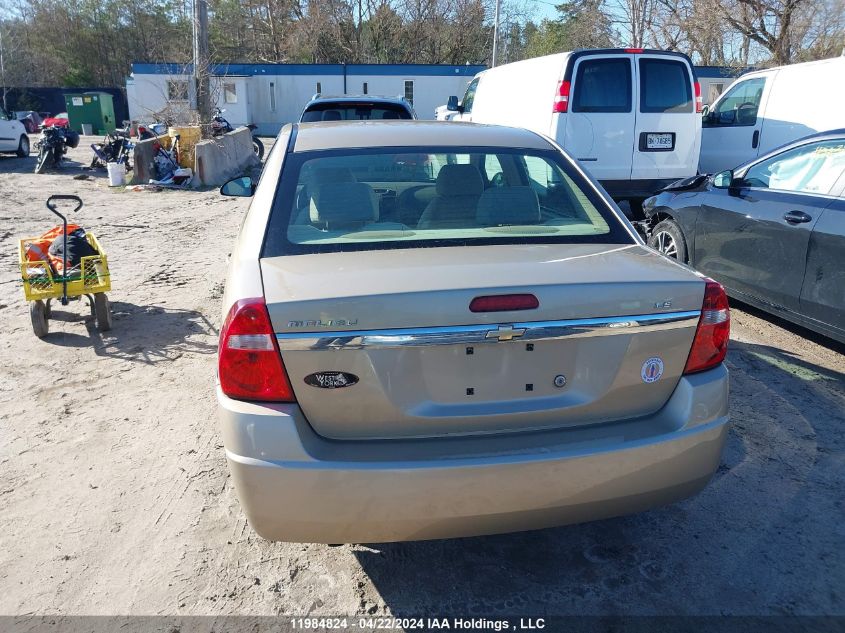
(506, 333)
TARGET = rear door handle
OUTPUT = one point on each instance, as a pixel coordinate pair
(755, 139)
(796, 217)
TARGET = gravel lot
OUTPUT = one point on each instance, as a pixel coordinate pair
(115, 497)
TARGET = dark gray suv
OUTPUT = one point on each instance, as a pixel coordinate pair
(356, 108)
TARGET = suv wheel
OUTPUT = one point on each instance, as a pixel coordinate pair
(668, 239)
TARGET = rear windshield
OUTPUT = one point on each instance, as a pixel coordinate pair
(354, 112)
(353, 200)
(665, 86)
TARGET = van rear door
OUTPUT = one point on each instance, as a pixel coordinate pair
(596, 130)
(667, 135)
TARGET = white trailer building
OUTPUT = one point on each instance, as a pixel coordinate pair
(270, 95)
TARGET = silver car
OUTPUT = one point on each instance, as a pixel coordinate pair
(435, 330)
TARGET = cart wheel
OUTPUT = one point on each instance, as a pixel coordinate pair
(38, 314)
(102, 311)
(48, 310)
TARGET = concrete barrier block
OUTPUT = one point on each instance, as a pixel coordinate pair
(219, 159)
(143, 167)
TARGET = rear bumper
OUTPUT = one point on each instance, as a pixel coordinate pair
(297, 486)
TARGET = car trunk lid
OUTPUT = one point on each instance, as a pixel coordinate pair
(382, 344)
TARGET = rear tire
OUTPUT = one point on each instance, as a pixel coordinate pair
(668, 238)
(38, 315)
(258, 148)
(23, 147)
(102, 312)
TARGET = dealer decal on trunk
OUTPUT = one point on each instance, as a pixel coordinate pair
(331, 379)
(652, 370)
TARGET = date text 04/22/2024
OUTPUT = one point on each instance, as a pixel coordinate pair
(446, 624)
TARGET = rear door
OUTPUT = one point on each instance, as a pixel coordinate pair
(731, 131)
(601, 115)
(823, 293)
(667, 136)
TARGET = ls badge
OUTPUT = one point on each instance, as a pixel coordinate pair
(652, 370)
(331, 379)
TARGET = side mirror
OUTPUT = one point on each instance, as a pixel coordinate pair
(705, 111)
(452, 104)
(242, 187)
(724, 179)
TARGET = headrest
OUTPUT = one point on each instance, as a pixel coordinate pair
(342, 203)
(459, 180)
(508, 205)
(331, 115)
(390, 114)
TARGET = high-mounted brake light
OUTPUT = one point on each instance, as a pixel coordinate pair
(249, 364)
(634, 50)
(562, 98)
(698, 103)
(714, 329)
(503, 303)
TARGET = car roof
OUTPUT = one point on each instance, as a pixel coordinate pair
(407, 133)
(357, 99)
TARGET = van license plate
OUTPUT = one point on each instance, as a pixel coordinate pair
(659, 140)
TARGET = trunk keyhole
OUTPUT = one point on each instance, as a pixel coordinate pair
(470, 391)
(529, 347)
(470, 351)
(529, 387)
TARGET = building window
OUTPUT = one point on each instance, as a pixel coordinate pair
(409, 91)
(177, 90)
(365, 88)
(272, 96)
(230, 93)
(319, 88)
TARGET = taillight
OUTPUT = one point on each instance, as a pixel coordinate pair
(698, 102)
(249, 363)
(714, 328)
(503, 303)
(562, 98)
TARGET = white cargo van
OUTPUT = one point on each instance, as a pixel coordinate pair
(629, 116)
(765, 109)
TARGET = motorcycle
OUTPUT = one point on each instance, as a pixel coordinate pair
(219, 127)
(52, 146)
(151, 130)
(115, 148)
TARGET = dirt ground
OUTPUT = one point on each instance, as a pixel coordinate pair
(115, 496)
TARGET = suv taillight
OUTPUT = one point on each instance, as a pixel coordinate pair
(714, 328)
(562, 98)
(249, 364)
(698, 107)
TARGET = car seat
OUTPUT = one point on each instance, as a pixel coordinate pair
(458, 188)
(332, 115)
(504, 206)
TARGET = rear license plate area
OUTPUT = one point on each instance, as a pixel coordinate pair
(657, 141)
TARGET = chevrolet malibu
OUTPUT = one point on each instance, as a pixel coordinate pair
(435, 330)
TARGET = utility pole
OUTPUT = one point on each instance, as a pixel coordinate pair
(202, 83)
(496, 31)
(3, 69)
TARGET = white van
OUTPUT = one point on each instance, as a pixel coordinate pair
(765, 109)
(629, 116)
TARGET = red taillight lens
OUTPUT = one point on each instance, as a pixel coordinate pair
(698, 102)
(503, 303)
(714, 328)
(634, 50)
(562, 98)
(249, 364)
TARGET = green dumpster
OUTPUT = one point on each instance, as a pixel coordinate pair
(94, 108)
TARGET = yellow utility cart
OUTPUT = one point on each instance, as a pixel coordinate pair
(42, 283)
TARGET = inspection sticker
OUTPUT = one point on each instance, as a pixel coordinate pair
(652, 369)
